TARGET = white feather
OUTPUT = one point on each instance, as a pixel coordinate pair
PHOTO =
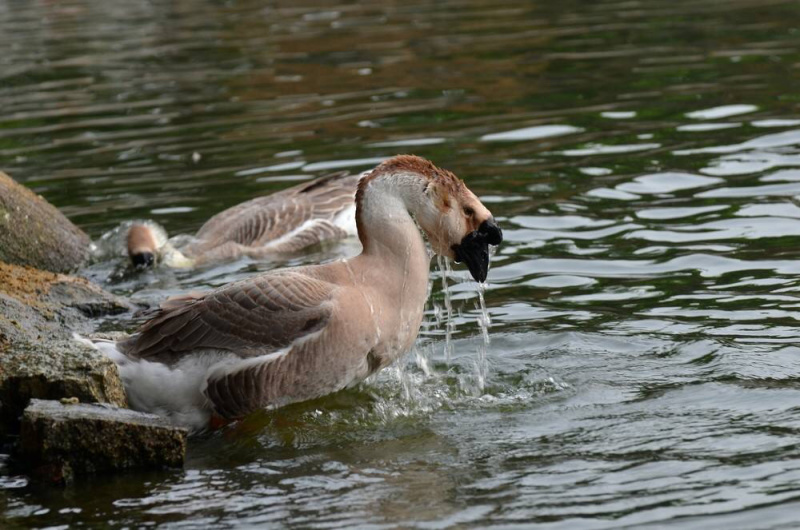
(230, 366)
(289, 235)
(175, 392)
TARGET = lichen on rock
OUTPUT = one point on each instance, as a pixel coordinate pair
(39, 357)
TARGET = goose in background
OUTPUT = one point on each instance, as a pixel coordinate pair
(284, 222)
(144, 241)
(295, 334)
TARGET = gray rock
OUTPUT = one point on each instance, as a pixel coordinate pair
(59, 441)
(34, 233)
(39, 358)
(54, 369)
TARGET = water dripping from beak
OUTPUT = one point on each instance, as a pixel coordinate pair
(474, 249)
(474, 252)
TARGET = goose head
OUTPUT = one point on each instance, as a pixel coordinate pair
(149, 246)
(143, 245)
(457, 225)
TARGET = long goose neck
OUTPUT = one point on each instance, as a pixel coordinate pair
(394, 257)
(384, 204)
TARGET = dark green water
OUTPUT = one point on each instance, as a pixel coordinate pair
(643, 159)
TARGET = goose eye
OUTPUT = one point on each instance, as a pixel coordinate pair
(469, 212)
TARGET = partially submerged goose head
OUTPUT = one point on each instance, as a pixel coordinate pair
(148, 246)
(458, 226)
(143, 245)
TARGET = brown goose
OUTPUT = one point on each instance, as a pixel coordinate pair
(295, 334)
(284, 222)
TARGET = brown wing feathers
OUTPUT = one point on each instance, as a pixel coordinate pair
(260, 220)
(249, 318)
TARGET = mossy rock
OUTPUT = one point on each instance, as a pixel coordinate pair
(34, 233)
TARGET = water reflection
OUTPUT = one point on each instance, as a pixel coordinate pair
(724, 111)
(531, 133)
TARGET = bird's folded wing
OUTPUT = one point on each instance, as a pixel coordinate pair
(264, 219)
(330, 195)
(311, 233)
(328, 361)
(255, 221)
(249, 318)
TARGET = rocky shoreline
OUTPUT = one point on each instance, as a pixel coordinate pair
(45, 370)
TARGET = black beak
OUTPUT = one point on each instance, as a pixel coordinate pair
(143, 260)
(474, 248)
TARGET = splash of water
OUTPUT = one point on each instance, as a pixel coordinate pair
(473, 384)
(449, 323)
(484, 322)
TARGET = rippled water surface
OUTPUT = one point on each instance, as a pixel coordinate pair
(643, 159)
